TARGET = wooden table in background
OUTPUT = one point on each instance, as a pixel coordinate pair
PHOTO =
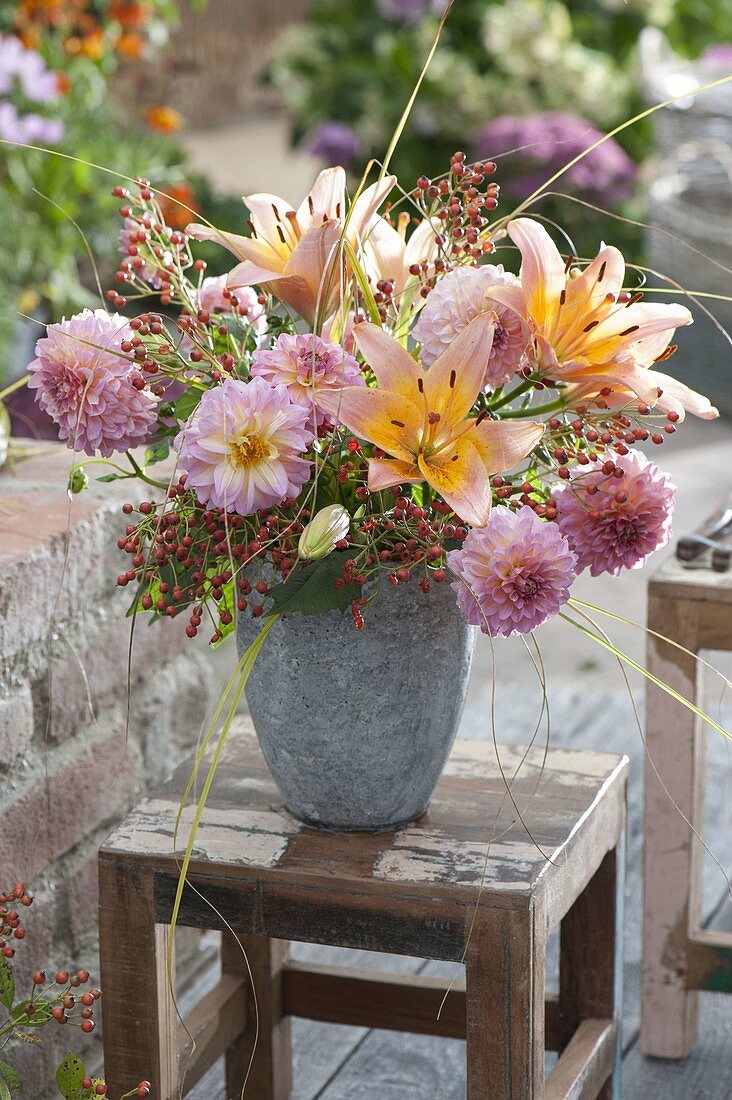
(466, 880)
(694, 609)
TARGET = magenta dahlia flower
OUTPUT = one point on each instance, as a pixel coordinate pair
(89, 387)
(459, 297)
(243, 447)
(307, 365)
(513, 574)
(621, 521)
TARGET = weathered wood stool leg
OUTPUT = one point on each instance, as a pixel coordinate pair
(671, 894)
(270, 1077)
(139, 1021)
(590, 959)
(504, 991)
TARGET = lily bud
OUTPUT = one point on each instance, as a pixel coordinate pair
(326, 528)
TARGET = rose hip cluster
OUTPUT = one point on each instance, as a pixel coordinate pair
(459, 201)
(185, 555)
(60, 998)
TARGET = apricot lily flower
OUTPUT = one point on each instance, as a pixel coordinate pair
(389, 255)
(420, 418)
(293, 253)
(581, 332)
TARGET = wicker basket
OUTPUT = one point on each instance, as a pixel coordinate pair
(212, 67)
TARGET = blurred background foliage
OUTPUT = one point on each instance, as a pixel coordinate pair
(529, 83)
(542, 75)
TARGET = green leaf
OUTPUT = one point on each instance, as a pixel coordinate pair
(312, 590)
(4, 1090)
(157, 451)
(7, 983)
(69, 1076)
(115, 477)
(187, 402)
(9, 1076)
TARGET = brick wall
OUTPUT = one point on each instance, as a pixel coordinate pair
(67, 772)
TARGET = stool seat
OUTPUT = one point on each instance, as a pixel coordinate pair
(508, 866)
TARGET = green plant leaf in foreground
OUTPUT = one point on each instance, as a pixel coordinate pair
(9, 1081)
(312, 590)
(7, 983)
(69, 1076)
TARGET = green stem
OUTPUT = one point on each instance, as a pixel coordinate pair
(509, 397)
(142, 475)
(17, 385)
(536, 410)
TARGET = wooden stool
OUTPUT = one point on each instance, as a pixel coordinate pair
(413, 892)
(694, 609)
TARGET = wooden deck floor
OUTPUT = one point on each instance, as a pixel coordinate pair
(337, 1063)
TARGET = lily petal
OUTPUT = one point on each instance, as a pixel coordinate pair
(630, 324)
(679, 398)
(312, 262)
(384, 472)
(384, 418)
(502, 444)
(456, 377)
(271, 225)
(364, 208)
(234, 242)
(542, 268)
(392, 364)
(462, 481)
(251, 274)
(327, 199)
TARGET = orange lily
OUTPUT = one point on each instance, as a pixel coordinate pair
(419, 418)
(580, 332)
(291, 253)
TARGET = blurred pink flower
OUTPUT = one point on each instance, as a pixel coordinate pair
(459, 297)
(243, 447)
(622, 520)
(513, 574)
(249, 308)
(85, 384)
(306, 365)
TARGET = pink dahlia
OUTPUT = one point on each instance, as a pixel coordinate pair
(243, 447)
(89, 387)
(621, 520)
(307, 365)
(459, 297)
(513, 574)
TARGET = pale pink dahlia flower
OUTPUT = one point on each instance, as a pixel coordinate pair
(457, 298)
(85, 384)
(622, 520)
(513, 574)
(307, 365)
(243, 447)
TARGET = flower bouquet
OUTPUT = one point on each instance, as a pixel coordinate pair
(378, 439)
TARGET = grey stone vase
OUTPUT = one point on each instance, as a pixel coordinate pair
(356, 725)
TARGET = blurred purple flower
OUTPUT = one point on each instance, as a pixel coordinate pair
(29, 129)
(718, 56)
(27, 68)
(336, 142)
(545, 142)
(410, 11)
